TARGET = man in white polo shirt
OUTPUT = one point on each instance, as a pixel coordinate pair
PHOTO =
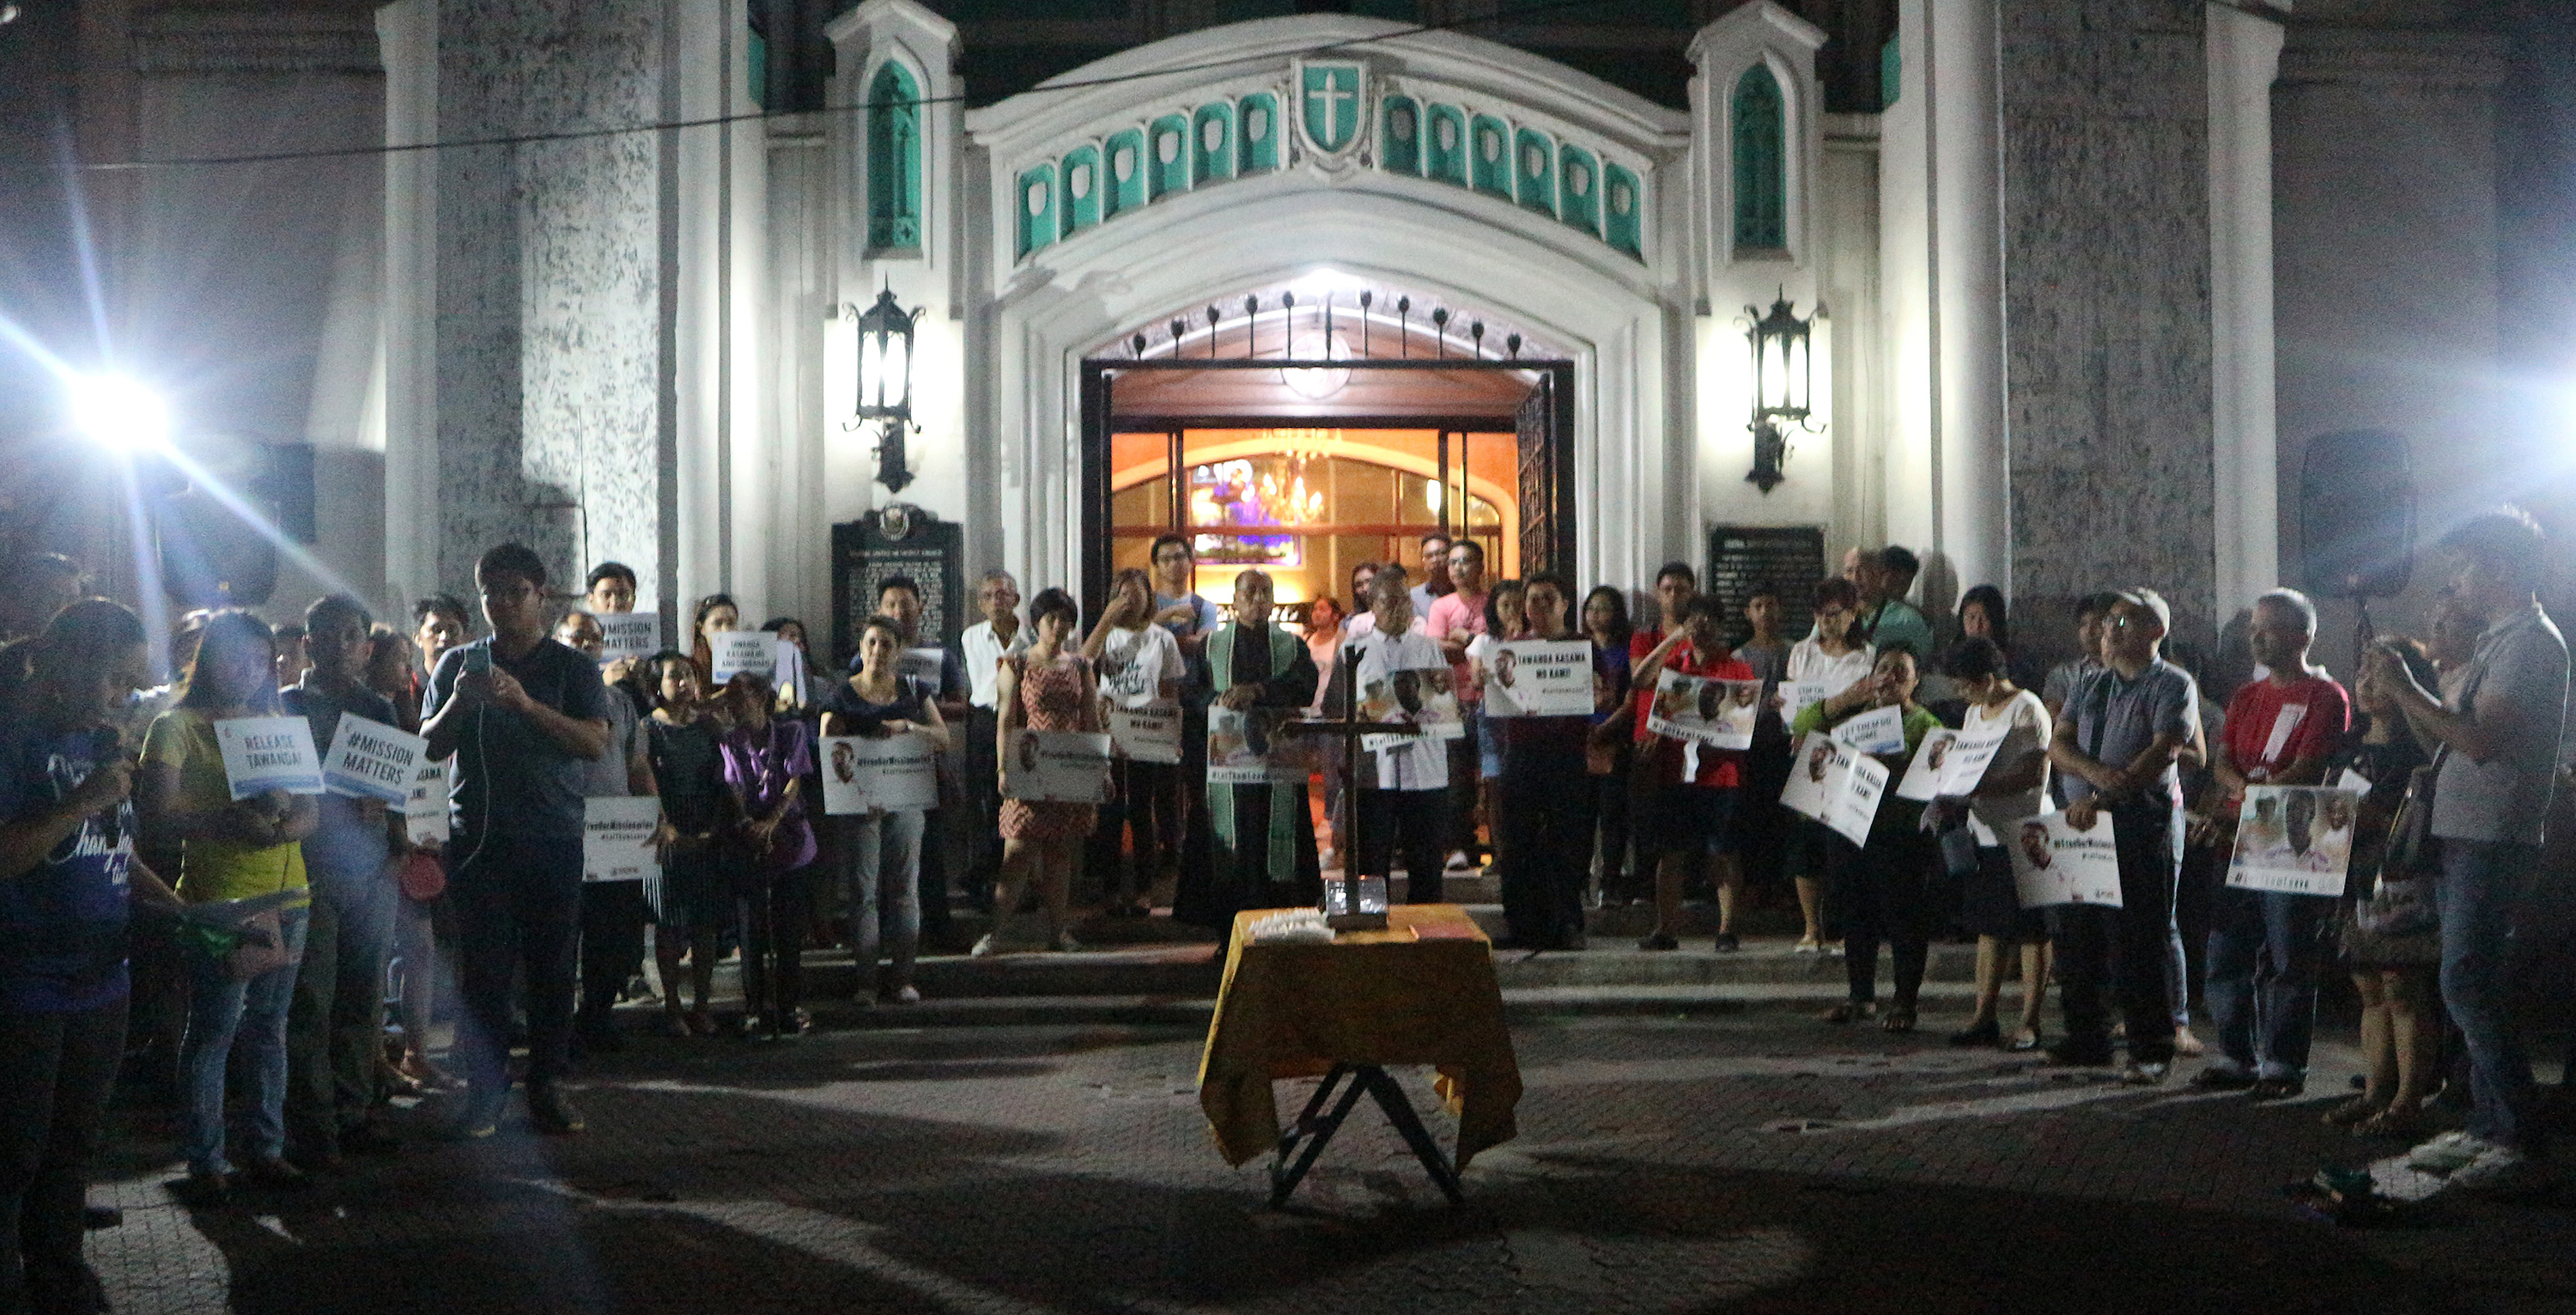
(984, 645)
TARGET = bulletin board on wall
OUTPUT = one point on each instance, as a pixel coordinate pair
(1789, 558)
(899, 540)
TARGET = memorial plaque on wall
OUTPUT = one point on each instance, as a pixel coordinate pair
(1788, 558)
(898, 540)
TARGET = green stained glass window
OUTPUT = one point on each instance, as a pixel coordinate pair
(894, 160)
(1761, 163)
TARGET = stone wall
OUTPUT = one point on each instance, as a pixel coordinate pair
(549, 284)
(2104, 109)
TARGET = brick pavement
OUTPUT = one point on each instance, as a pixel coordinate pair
(1758, 1163)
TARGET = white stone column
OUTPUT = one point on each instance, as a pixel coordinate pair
(408, 30)
(2244, 56)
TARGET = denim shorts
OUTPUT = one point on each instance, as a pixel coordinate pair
(1489, 745)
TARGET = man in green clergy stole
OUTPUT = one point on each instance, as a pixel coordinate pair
(1253, 847)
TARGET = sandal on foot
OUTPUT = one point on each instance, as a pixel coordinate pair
(2353, 1112)
(1849, 1011)
(1898, 1019)
(2402, 1122)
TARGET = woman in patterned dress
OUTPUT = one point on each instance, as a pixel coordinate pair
(1047, 688)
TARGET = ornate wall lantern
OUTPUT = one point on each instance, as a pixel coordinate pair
(1783, 375)
(885, 382)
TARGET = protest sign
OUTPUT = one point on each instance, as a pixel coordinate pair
(1069, 767)
(2053, 863)
(1245, 747)
(1797, 696)
(1717, 713)
(629, 635)
(736, 651)
(1540, 678)
(617, 838)
(1424, 697)
(269, 753)
(897, 774)
(1951, 763)
(2295, 839)
(371, 760)
(424, 809)
(1877, 731)
(923, 665)
(1150, 734)
(795, 683)
(1835, 784)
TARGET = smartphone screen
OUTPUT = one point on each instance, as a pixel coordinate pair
(478, 660)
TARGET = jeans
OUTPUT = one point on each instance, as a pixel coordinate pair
(56, 1071)
(777, 906)
(337, 1020)
(255, 1011)
(2122, 953)
(882, 851)
(1879, 889)
(1544, 808)
(613, 914)
(518, 910)
(1410, 820)
(2265, 951)
(2481, 885)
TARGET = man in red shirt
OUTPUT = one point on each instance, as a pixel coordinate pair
(1693, 814)
(2280, 730)
(1455, 619)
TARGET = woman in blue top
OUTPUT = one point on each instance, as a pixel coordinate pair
(881, 848)
(67, 863)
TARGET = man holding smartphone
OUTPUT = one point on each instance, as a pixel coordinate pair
(525, 717)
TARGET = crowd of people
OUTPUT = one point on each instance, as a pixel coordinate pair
(113, 794)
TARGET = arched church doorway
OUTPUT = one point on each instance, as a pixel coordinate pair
(1308, 428)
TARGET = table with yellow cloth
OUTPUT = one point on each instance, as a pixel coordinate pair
(1420, 992)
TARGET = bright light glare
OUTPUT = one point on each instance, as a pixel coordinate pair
(118, 413)
(1324, 281)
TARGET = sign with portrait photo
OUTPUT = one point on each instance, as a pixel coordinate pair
(1950, 763)
(1150, 734)
(2053, 863)
(1539, 678)
(1834, 784)
(1424, 697)
(2294, 839)
(1245, 747)
(897, 774)
(269, 753)
(1703, 710)
(1065, 767)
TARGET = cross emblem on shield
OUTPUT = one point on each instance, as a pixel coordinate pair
(1330, 96)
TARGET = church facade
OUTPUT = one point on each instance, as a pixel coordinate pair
(2039, 319)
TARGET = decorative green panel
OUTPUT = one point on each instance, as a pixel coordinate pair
(1534, 171)
(1036, 207)
(755, 53)
(1579, 188)
(1623, 210)
(1444, 153)
(1212, 143)
(1122, 161)
(1760, 160)
(1399, 142)
(1489, 155)
(894, 160)
(1891, 67)
(1167, 168)
(1081, 203)
(1260, 127)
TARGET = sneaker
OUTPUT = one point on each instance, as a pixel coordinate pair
(1658, 941)
(2449, 1152)
(2500, 1171)
(2187, 1045)
(553, 1114)
(984, 947)
(2276, 1089)
(2147, 1074)
(481, 1115)
(1727, 943)
(2221, 1077)
(907, 995)
(1806, 947)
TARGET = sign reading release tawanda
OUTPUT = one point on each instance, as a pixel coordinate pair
(268, 753)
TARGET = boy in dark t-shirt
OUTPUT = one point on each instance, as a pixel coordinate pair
(524, 716)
